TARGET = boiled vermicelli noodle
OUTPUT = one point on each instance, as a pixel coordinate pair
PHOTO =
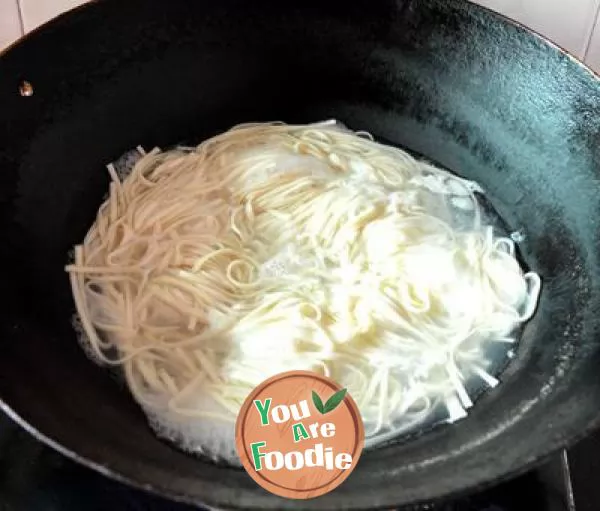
(274, 247)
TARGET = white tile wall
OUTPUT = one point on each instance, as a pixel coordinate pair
(593, 52)
(36, 12)
(10, 22)
(573, 24)
(569, 23)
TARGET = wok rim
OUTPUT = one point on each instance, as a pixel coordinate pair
(165, 493)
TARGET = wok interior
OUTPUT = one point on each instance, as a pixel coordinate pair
(444, 79)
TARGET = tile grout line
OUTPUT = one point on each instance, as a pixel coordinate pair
(21, 19)
(592, 29)
(567, 476)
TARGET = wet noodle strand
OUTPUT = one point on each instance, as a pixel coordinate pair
(274, 247)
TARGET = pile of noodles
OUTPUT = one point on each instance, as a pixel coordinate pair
(274, 247)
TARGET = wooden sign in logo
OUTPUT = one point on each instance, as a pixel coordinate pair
(299, 435)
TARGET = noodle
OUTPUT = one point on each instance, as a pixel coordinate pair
(274, 247)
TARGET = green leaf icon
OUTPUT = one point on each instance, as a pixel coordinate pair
(317, 401)
(332, 403)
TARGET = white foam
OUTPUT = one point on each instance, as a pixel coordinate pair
(84, 340)
(205, 436)
(282, 263)
(518, 236)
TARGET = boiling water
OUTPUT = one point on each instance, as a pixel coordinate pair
(216, 439)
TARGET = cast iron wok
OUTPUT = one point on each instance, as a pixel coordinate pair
(445, 79)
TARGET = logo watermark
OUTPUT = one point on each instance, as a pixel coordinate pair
(299, 435)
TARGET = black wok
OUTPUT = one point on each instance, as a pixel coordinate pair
(446, 79)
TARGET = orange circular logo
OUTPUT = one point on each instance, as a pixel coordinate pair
(299, 435)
